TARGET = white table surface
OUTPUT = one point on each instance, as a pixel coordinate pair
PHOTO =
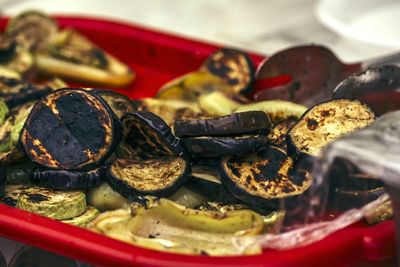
(260, 25)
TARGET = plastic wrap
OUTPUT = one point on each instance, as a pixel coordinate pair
(373, 152)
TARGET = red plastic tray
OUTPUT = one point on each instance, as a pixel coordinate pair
(157, 58)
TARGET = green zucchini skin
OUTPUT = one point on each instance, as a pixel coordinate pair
(163, 178)
(68, 180)
(148, 136)
(70, 129)
(233, 124)
(85, 218)
(216, 146)
(234, 66)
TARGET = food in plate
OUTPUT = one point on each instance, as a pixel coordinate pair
(186, 171)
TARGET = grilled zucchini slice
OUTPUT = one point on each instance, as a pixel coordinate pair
(71, 55)
(215, 146)
(105, 198)
(160, 176)
(170, 109)
(277, 110)
(233, 66)
(325, 122)
(237, 123)
(85, 218)
(12, 192)
(59, 205)
(68, 180)
(70, 129)
(263, 178)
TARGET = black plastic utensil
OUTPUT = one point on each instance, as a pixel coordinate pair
(314, 70)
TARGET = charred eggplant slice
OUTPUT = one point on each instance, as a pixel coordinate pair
(85, 218)
(32, 29)
(215, 146)
(70, 129)
(59, 205)
(160, 176)
(263, 178)
(119, 103)
(68, 180)
(16, 92)
(148, 136)
(169, 109)
(325, 122)
(233, 66)
(277, 136)
(12, 192)
(236, 123)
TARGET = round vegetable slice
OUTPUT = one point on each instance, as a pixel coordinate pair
(236, 123)
(119, 103)
(277, 136)
(160, 176)
(32, 29)
(12, 192)
(148, 136)
(263, 178)
(85, 218)
(70, 129)
(58, 205)
(233, 66)
(215, 146)
(68, 180)
(325, 122)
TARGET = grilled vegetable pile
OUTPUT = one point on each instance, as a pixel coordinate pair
(184, 171)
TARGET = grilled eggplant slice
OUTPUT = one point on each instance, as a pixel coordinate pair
(148, 136)
(184, 230)
(263, 178)
(14, 156)
(277, 136)
(32, 29)
(119, 103)
(215, 146)
(68, 180)
(59, 205)
(70, 129)
(233, 66)
(14, 57)
(12, 192)
(105, 198)
(159, 177)
(85, 218)
(326, 122)
(236, 123)
(16, 92)
(277, 110)
(71, 55)
(169, 109)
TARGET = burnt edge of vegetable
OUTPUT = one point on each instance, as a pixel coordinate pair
(120, 104)
(55, 128)
(214, 146)
(148, 136)
(273, 160)
(236, 123)
(68, 180)
(136, 194)
(219, 68)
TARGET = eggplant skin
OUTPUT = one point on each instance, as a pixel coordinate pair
(263, 179)
(148, 136)
(233, 66)
(236, 123)
(215, 146)
(158, 177)
(70, 129)
(68, 180)
(325, 122)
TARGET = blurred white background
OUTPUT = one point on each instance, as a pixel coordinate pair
(358, 29)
